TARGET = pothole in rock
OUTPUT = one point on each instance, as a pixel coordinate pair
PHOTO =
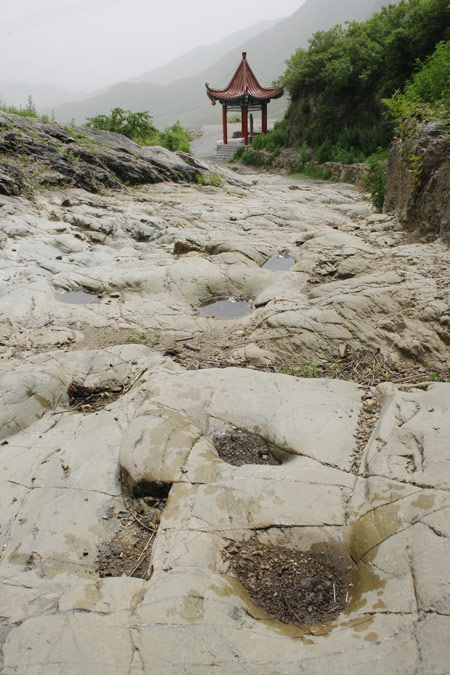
(296, 587)
(239, 447)
(76, 297)
(224, 308)
(91, 399)
(279, 263)
(129, 551)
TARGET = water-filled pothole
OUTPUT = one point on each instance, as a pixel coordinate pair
(77, 297)
(299, 587)
(224, 308)
(239, 447)
(129, 551)
(279, 263)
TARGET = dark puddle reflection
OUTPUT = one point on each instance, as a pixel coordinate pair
(224, 308)
(76, 297)
(278, 263)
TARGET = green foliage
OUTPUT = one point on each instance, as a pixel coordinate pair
(137, 339)
(140, 129)
(375, 180)
(437, 376)
(176, 138)
(251, 157)
(28, 111)
(136, 126)
(337, 84)
(426, 95)
(213, 179)
(316, 172)
(275, 139)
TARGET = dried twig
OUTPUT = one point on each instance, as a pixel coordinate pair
(149, 528)
(142, 556)
(303, 625)
(138, 376)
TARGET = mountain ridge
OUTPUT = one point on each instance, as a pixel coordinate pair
(185, 100)
(189, 64)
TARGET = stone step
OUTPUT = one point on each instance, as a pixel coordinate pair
(225, 152)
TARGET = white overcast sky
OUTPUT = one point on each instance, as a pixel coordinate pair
(87, 44)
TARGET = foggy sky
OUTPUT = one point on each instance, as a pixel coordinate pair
(110, 40)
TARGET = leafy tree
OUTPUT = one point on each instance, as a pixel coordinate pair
(427, 94)
(338, 83)
(136, 126)
(140, 129)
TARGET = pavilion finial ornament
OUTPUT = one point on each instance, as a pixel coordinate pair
(243, 93)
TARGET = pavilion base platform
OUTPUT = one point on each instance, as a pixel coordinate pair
(227, 151)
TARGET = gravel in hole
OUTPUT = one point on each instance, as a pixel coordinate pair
(239, 447)
(303, 588)
(90, 399)
(129, 551)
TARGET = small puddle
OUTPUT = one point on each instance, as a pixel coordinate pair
(76, 297)
(279, 263)
(224, 308)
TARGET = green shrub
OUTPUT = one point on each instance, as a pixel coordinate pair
(213, 179)
(176, 138)
(253, 158)
(28, 111)
(136, 126)
(275, 139)
(140, 129)
(314, 172)
(426, 95)
(375, 180)
(337, 84)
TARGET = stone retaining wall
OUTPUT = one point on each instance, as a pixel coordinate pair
(345, 173)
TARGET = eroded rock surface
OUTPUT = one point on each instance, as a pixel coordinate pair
(418, 180)
(389, 522)
(364, 470)
(36, 152)
(357, 282)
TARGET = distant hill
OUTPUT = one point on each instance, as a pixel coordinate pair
(194, 62)
(44, 96)
(185, 99)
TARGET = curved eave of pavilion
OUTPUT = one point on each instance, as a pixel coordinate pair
(249, 97)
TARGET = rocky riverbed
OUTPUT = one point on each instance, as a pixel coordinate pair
(186, 493)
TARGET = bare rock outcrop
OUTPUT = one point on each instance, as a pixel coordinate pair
(40, 154)
(418, 180)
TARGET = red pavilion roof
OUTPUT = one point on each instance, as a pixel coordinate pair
(244, 88)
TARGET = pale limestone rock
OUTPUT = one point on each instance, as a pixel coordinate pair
(60, 493)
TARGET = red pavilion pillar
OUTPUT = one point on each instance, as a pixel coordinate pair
(264, 118)
(224, 122)
(245, 123)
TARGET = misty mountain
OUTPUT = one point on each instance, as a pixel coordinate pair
(185, 99)
(44, 96)
(188, 65)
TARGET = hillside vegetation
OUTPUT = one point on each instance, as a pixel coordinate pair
(140, 128)
(339, 85)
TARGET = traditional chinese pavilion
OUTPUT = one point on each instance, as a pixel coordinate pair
(244, 93)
